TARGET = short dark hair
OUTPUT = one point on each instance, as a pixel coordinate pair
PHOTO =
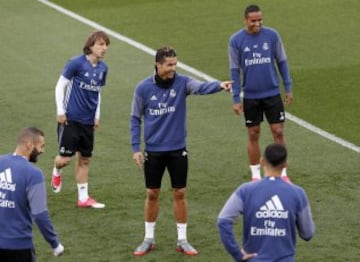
(251, 9)
(275, 154)
(29, 133)
(92, 39)
(164, 52)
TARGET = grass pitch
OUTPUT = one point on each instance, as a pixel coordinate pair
(39, 40)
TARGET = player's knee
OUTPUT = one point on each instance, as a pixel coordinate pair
(254, 134)
(179, 193)
(83, 161)
(152, 194)
(61, 161)
(278, 135)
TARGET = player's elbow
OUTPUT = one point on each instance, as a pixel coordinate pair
(220, 224)
(307, 238)
(308, 235)
(224, 225)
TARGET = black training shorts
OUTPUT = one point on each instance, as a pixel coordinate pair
(176, 163)
(21, 255)
(272, 107)
(74, 137)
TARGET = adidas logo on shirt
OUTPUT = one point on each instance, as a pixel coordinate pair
(273, 208)
(6, 182)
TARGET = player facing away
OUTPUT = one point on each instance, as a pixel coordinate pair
(254, 53)
(23, 200)
(78, 100)
(160, 101)
(272, 209)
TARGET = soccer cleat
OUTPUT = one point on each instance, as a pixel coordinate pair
(90, 202)
(56, 183)
(145, 247)
(184, 247)
(286, 179)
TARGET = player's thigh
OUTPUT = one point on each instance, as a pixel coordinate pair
(178, 166)
(86, 141)
(154, 167)
(68, 139)
(274, 109)
(253, 112)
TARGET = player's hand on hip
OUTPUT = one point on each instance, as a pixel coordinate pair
(139, 159)
(247, 256)
(61, 119)
(59, 250)
(226, 85)
(238, 109)
(288, 98)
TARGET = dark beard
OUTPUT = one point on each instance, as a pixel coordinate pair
(34, 155)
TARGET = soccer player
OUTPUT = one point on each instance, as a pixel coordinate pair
(272, 210)
(160, 100)
(254, 53)
(78, 100)
(23, 200)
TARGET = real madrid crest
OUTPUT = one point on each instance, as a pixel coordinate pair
(172, 93)
(265, 46)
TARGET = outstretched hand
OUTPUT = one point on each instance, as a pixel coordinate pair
(226, 85)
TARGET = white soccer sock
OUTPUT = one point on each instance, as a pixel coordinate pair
(56, 172)
(284, 172)
(83, 191)
(181, 230)
(255, 171)
(149, 229)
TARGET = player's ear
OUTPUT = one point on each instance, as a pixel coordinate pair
(262, 161)
(29, 145)
(286, 164)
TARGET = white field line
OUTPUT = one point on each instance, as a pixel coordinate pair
(194, 72)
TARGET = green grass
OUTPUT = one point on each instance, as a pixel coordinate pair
(319, 37)
(38, 42)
